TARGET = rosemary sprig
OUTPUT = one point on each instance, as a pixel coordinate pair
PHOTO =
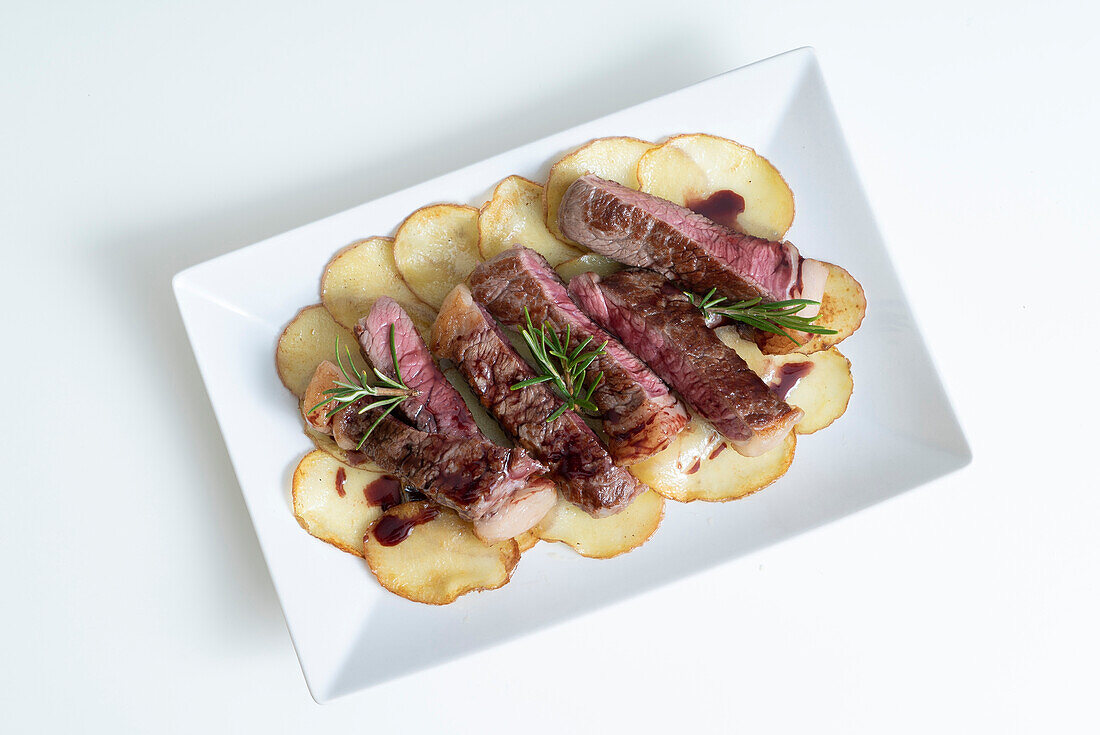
(390, 394)
(562, 365)
(770, 316)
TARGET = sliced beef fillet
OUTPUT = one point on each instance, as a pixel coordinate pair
(466, 334)
(657, 322)
(470, 474)
(438, 407)
(640, 414)
(504, 494)
(695, 252)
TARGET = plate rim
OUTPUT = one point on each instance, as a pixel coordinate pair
(185, 287)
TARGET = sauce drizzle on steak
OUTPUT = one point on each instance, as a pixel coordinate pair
(467, 473)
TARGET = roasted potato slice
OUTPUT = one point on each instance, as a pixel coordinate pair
(614, 159)
(589, 262)
(341, 520)
(823, 393)
(698, 465)
(603, 538)
(440, 560)
(693, 170)
(362, 272)
(527, 540)
(842, 308)
(514, 216)
(307, 340)
(435, 249)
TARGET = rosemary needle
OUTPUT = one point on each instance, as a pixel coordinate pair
(562, 365)
(390, 392)
(770, 316)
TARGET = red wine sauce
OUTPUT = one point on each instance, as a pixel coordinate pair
(722, 207)
(391, 530)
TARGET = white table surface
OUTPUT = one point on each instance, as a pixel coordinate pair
(141, 138)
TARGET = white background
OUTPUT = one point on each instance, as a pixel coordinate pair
(140, 138)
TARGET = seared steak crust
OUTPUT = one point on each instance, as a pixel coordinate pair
(467, 473)
(466, 334)
(640, 414)
(658, 323)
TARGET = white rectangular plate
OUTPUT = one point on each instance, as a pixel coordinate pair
(898, 433)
